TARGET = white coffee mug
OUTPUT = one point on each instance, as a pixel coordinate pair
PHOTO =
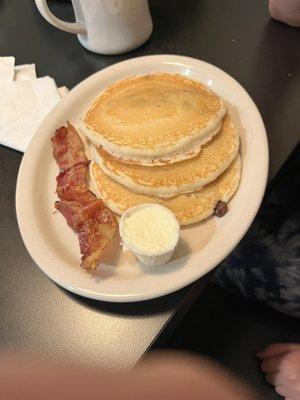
(106, 26)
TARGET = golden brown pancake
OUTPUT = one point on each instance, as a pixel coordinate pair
(188, 208)
(152, 118)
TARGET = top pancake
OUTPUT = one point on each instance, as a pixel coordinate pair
(153, 116)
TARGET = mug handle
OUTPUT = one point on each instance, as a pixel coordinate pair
(72, 27)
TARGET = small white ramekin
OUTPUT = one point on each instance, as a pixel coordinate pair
(150, 259)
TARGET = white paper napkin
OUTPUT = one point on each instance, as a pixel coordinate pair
(23, 106)
(24, 72)
(63, 90)
(24, 102)
(6, 69)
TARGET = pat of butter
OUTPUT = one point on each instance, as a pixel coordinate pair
(151, 231)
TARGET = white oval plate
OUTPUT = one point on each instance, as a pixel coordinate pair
(120, 278)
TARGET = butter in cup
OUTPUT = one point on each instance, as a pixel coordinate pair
(151, 232)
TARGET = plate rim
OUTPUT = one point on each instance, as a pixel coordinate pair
(120, 298)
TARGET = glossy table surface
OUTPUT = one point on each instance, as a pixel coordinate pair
(239, 37)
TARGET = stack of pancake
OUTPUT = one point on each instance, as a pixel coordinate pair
(162, 139)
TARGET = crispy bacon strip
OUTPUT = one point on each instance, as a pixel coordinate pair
(94, 223)
(67, 147)
(72, 184)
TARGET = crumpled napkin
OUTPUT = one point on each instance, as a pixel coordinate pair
(24, 72)
(6, 69)
(25, 100)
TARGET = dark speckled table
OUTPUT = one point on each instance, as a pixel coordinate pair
(235, 35)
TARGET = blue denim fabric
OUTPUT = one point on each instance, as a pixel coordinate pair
(266, 265)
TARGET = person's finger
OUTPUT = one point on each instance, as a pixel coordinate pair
(275, 379)
(277, 349)
(281, 390)
(291, 366)
(287, 392)
(272, 364)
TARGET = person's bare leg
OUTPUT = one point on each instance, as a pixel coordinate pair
(163, 376)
